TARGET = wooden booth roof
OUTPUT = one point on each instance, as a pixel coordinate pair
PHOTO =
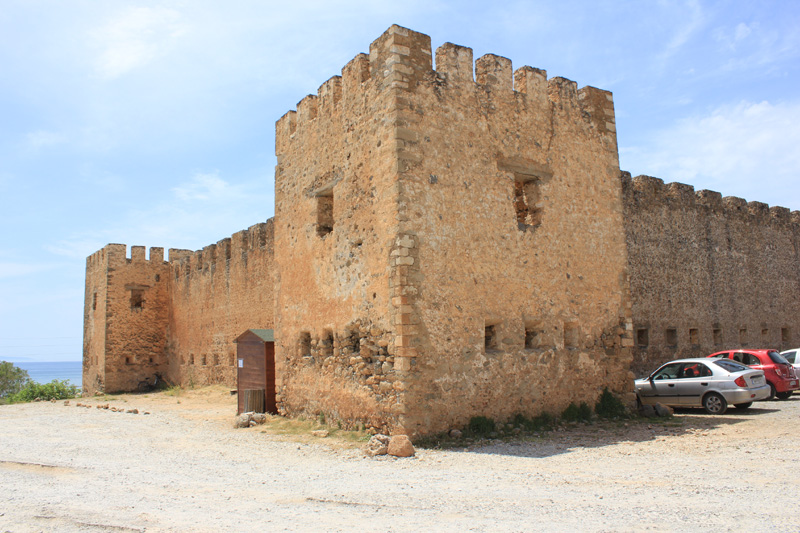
(266, 335)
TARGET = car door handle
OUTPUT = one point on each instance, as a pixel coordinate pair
(704, 384)
(671, 384)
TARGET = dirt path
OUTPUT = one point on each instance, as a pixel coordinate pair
(184, 468)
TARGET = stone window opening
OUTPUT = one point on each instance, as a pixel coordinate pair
(203, 361)
(642, 337)
(717, 334)
(526, 202)
(127, 360)
(764, 335)
(489, 338)
(94, 302)
(533, 336)
(694, 336)
(786, 335)
(325, 213)
(327, 343)
(672, 337)
(743, 336)
(571, 335)
(191, 359)
(137, 299)
(304, 344)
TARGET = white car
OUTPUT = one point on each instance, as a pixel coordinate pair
(793, 356)
(712, 384)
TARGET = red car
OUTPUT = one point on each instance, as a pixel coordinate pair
(779, 372)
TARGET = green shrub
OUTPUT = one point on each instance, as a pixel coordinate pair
(543, 421)
(12, 380)
(55, 390)
(480, 426)
(577, 413)
(609, 406)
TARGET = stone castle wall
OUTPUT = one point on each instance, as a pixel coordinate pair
(216, 294)
(126, 309)
(423, 172)
(178, 319)
(511, 283)
(708, 273)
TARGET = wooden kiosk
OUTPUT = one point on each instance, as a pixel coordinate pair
(255, 372)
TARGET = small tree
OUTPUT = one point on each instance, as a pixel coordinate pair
(12, 380)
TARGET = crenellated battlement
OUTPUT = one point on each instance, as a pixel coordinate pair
(401, 60)
(236, 247)
(648, 191)
(116, 253)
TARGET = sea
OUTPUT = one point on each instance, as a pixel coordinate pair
(45, 372)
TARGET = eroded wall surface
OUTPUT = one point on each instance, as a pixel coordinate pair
(456, 204)
(708, 273)
(216, 294)
(512, 276)
(336, 218)
(131, 296)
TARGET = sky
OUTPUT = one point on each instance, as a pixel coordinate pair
(152, 122)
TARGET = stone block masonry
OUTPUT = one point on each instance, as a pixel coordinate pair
(708, 273)
(450, 240)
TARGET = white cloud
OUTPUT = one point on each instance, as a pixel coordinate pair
(42, 139)
(135, 38)
(688, 26)
(747, 149)
(14, 270)
(199, 212)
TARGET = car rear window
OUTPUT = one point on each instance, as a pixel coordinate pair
(730, 366)
(777, 358)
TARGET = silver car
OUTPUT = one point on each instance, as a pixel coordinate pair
(793, 356)
(712, 384)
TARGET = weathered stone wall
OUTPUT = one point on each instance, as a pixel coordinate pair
(708, 273)
(132, 300)
(512, 276)
(453, 205)
(218, 293)
(336, 218)
(94, 321)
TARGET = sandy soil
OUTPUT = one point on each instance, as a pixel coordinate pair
(184, 468)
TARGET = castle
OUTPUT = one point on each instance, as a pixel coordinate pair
(450, 243)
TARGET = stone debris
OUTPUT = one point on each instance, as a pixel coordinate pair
(378, 445)
(455, 433)
(400, 446)
(320, 433)
(66, 402)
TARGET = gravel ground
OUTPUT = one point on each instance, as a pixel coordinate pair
(184, 468)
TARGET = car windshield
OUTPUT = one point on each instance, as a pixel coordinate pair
(730, 366)
(777, 358)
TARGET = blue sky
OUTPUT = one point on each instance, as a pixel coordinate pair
(152, 123)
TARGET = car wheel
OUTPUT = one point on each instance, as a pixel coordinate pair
(714, 404)
(772, 392)
(743, 406)
(783, 395)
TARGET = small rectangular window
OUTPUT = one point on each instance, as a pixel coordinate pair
(526, 203)
(717, 334)
(325, 213)
(786, 335)
(533, 336)
(743, 336)
(327, 344)
(304, 344)
(137, 298)
(571, 335)
(671, 337)
(642, 337)
(489, 338)
(694, 336)
(94, 302)
(764, 336)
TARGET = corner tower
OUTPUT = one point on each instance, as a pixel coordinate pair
(450, 242)
(125, 313)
